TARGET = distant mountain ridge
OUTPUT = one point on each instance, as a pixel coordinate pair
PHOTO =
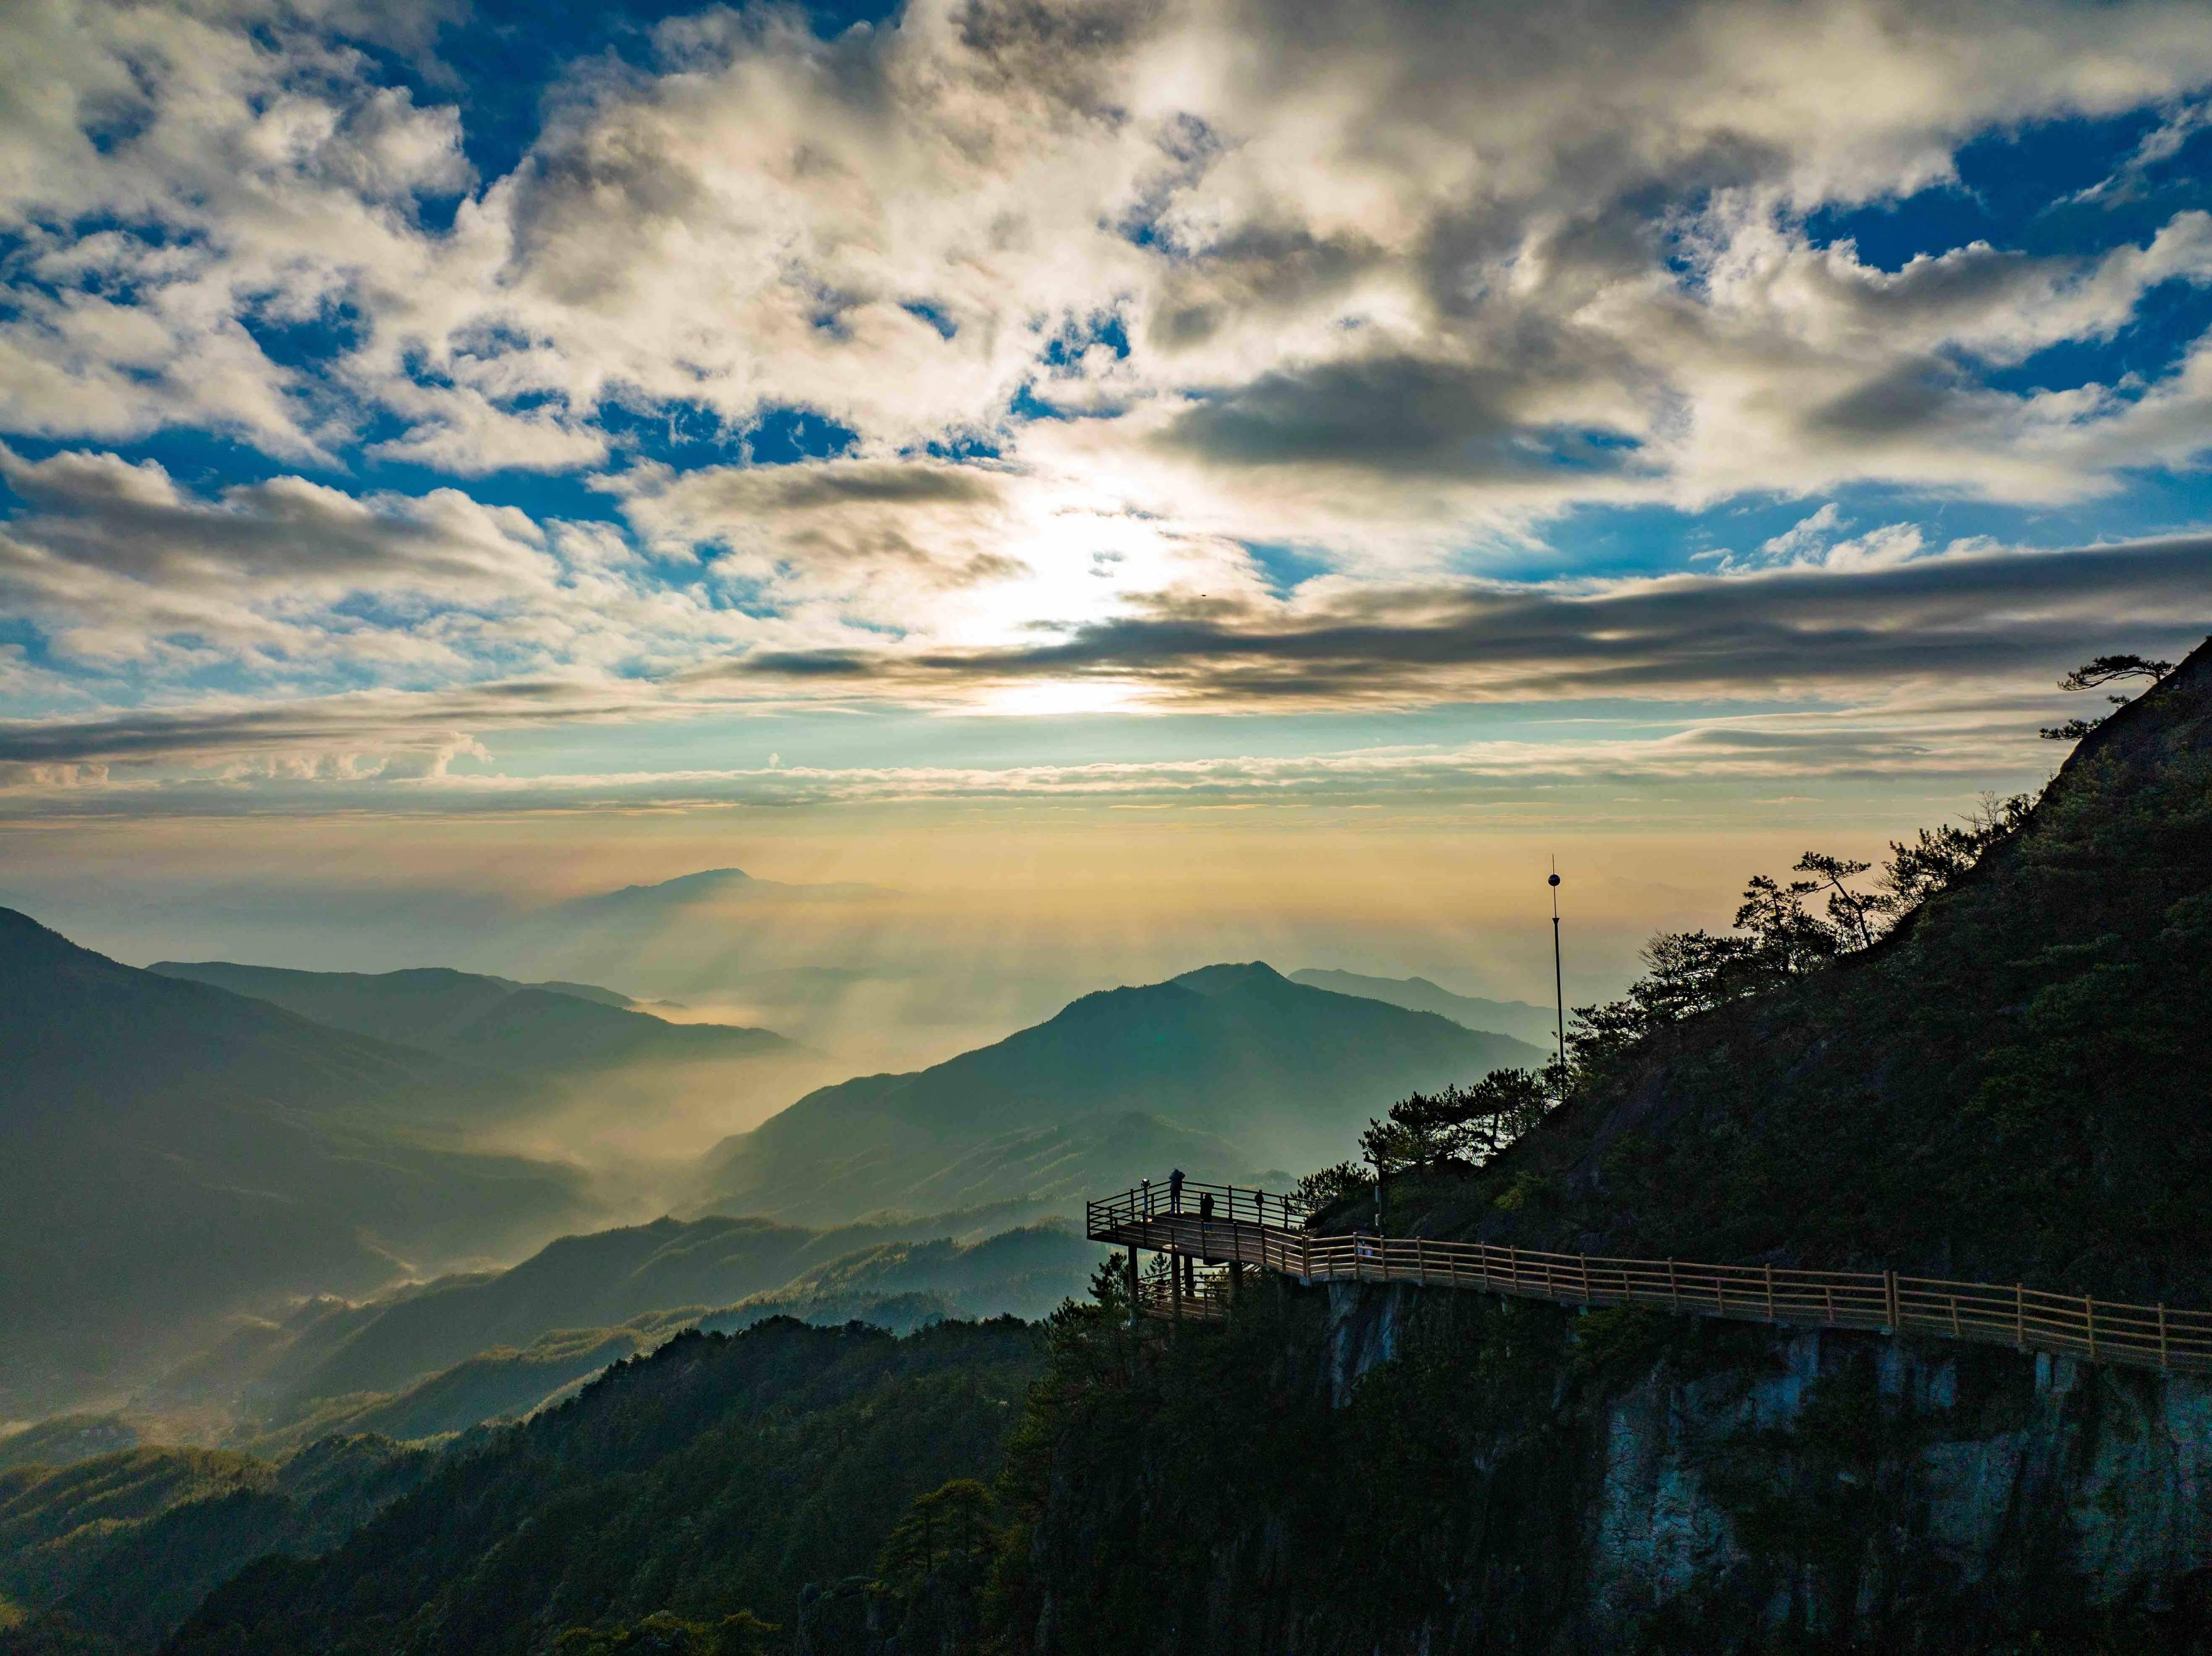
(522, 1029)
(1226, 1071)
(709, 885)
(598, 1280)
(170, 1150)
(1521, 1019)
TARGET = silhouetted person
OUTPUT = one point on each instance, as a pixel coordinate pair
(1148, 1199)
(1175, 1191)
(1205, 1208)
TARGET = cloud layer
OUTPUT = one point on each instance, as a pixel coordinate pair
(1884, 647)
(1008, 347)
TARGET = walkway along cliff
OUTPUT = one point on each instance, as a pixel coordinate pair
(1239, 1228)
(2004, 1445)
(1347, 1465)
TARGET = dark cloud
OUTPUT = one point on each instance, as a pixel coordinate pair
(1256, 268)
(380, 723)
(1392, 414)
(1062, 50)
(98, 511)
(1784, 633)
(800, 488)
(936, 523)
(1909, 397)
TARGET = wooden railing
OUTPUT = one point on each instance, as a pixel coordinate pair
(1255, 1228)
(1208, 1300)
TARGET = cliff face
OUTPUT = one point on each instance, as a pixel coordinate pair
(1945, 1471)
(1393, 1470)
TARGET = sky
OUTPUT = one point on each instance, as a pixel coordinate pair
(1137, 482)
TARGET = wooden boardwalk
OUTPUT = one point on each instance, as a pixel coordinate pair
(1221, 1224)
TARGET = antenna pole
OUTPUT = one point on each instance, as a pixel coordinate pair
(1559, 981)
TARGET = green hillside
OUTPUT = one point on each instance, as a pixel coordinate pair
(2010, 1086)
(110, 1553)
(1224, 1072)
(723, 1474)
(65, 1439)
(896, 1285)
(598, 1283)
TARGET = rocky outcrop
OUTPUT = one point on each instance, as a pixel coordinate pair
(1847, 1486)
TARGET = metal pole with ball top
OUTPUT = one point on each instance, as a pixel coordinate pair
(1559, 981)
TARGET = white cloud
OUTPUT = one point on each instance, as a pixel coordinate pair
(1390, 285)
(891, 228)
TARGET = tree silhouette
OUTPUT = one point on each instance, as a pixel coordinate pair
(2100, 670)
(2106, 670)
(1467, 1124)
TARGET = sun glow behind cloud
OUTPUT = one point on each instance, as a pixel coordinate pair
(1100, 406)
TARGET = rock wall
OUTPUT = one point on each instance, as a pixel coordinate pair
(1845, 1485)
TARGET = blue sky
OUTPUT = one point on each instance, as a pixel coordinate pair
(457, 410)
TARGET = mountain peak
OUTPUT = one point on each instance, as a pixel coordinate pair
(1222, 978)
(707, 879)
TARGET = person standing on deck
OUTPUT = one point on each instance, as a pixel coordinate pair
(1175, 1191)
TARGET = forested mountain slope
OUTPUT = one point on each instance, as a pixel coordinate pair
(169, 1151)
(108, 1555)
(723, 1474)
(1223, 1071)
(2015, 1084)
(898, 1286)
(416, 1360)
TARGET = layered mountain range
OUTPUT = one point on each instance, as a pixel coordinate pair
(2009, 1085)
(193, 1149)
(169, 1151)
(537, 1030)
(1228, 1072)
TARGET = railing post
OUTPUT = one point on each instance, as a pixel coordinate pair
(1891, 1305)
(1673, 1288)
(2020, 1316)
(1770, 1290)
(2089, 1318)
(1586, 1293)
(2162, 1362)
(1513, 1264)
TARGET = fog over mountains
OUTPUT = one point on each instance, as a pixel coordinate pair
(226, 1187)
(169, 1151)
(1227, 1071)
(1522, 1020)
(538, 1029)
